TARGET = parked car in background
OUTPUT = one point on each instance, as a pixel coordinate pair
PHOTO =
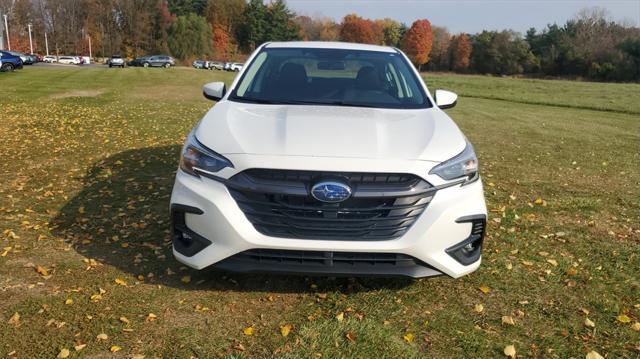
(200, 64)
(159, 61)
(36, 58)
(50, 59)
(69, 60)
(138, 61)
(116, 61)
(216, 65)
(31, 59)
(9, 61)
(236, 66)
(22, 57)
(233, 66)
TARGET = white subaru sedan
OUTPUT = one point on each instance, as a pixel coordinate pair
(331, 159)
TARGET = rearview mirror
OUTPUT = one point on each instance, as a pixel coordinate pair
(214, 91)
(445, 99)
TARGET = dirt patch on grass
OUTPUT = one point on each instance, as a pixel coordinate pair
(78, 93)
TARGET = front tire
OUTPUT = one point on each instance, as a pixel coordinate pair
(146, 64)
(7, 68)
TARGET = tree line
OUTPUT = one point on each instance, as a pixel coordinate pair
(589, 45)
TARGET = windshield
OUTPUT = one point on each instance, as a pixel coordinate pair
(330, 77)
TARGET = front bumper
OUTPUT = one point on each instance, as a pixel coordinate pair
(230, 241)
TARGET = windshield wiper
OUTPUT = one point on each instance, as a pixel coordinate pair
(329, 103)
(259, 100)
(302, 102)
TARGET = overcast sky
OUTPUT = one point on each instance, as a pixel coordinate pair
(470, 15)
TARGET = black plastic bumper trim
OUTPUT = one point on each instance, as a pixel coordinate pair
(478, 226)
(243, 263)
(192, 243)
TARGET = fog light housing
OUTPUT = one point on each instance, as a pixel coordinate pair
(185, 241)
(469, 250)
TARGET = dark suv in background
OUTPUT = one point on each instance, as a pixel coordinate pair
(159, 61)
(9, 61)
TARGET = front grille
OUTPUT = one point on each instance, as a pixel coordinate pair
(352, 177)
(278, 203)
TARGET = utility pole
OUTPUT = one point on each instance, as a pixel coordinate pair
(6, 28)
(1, 40)
(46, 43)
(30, 41)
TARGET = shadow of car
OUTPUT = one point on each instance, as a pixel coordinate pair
(121, 218)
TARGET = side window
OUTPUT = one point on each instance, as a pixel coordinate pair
(255, 66)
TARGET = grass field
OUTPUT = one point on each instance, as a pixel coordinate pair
(87, 161)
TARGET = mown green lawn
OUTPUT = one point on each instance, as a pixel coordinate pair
(87, 160)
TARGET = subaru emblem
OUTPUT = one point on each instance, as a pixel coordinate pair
(332, 192)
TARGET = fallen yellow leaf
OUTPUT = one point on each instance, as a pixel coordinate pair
(408, 337)
(340, 316)
(510, 351)
(69, 301)
(593, 355)
(248, 330)
(484, 289)
(15, 319)
(285, 330)
(79, 347)
(507, 319)
(64, 353)
(589, 323)
(124, 320)
(42, 271)
(151, 317)
(102, 336)
(115, 348)
(478, 308)
(636, 326)
(119, 281)
(623, 318)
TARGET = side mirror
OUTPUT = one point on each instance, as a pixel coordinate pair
(214, 91)
(445, 99)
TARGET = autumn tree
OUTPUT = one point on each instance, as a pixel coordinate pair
(417, 42)
(226, 14)
(440, 59)
(330, 30)
(221, 42)
(356, 29)
(391, 31)
(460, 52)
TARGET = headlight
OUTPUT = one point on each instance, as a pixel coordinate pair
(464, 164)
(196, 157)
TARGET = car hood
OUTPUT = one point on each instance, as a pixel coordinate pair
(330, 131)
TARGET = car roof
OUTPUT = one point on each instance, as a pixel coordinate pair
(329, 45)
